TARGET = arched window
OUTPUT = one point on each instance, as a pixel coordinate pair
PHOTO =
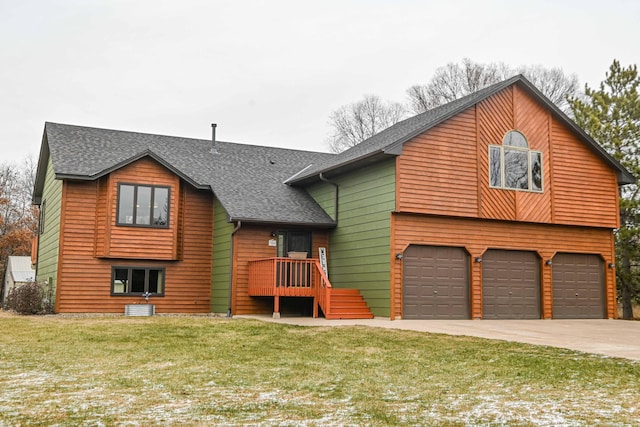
(513, 165)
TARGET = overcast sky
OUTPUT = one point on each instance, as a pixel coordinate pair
(270, 72)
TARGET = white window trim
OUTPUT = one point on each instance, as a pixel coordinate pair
(530, 169)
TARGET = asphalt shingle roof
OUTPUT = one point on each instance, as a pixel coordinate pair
(256, 183)
(398, 133)
(247, 179)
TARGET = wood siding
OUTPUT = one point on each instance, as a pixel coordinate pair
(428, 174)
(583, 188)
(533, 121)
(445, 170)
(251, 242)
(84, 280)
(48, 241)
(494, 117)
(115, 241)
(477, 236)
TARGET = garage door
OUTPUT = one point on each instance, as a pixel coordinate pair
(578, 286)
(436, 283)
(510, 285)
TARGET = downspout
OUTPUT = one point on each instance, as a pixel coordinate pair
(335, 200)
(233, 233)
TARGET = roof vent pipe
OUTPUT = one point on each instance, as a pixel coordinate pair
(213, 138)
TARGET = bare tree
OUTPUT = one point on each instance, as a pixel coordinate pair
(553, 83)
(16, 185)
(454, 81)
(18, 217)
(353, 123)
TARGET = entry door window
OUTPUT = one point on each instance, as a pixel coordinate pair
(294, 241)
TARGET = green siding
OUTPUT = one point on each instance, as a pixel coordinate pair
(325, 195)
(221, 267)
(359, 247)
(49, 241)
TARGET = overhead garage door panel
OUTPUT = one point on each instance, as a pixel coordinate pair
(436, 283)
(510, 285)
(578, 286)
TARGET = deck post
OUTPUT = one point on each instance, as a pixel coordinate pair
(315, 307)
(276, 307)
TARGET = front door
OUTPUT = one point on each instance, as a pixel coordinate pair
(294, 241)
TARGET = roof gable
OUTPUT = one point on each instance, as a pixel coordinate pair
(86, 153)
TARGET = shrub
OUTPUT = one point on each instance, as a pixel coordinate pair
(29, 298)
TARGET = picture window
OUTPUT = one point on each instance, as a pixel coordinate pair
(514, 166)
(143, 206)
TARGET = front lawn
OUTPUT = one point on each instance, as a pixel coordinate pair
(165, 370)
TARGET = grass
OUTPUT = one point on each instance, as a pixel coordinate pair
(210, 371)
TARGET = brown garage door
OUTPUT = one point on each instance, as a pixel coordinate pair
(436, 283)
(578, 286)
(510, 285)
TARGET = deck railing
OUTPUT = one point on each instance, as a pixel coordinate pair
(287, 277)
(323, 291)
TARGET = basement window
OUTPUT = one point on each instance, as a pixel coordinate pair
(137, 281)
(513, 166)
(143, 206)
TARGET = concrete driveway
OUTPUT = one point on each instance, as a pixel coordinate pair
(613, 338)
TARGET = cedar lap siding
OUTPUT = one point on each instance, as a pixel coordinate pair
(91, 243)
(443, 197)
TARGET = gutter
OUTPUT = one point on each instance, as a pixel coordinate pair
(296, 179)
(125, 162)
(233, 233)
(314, 225)
(335, 200)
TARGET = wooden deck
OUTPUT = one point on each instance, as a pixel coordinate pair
(287, 277)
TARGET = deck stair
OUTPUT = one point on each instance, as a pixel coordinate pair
(286, 277)
(347, 304)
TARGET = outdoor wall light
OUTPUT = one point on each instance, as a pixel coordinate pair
(478, 259)
(399, 256)
(274, 234)
(611, 265)
(548, 262)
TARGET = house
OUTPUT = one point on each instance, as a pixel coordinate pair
(493, 206)
(18, 272)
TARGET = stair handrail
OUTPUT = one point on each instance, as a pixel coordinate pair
(322, 289)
